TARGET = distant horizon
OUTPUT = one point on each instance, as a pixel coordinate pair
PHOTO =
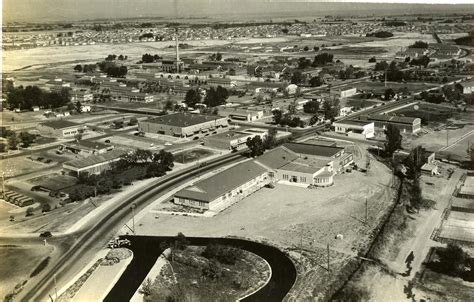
(47, 11)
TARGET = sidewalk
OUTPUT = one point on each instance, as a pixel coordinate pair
(102, 280)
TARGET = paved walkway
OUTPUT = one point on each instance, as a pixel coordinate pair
(102, 280)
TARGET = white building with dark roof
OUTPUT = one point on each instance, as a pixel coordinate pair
(60, 128)
(225, 188)
(183, 124)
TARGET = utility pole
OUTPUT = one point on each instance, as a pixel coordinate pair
(366, 211)
(3, 184)
(301, 238)
(329, 258)
(133, 217)
(447, 136)
(55, 287)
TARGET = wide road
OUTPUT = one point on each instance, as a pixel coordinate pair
(103, 228)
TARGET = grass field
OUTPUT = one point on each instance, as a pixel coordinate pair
(18, 262)
(360, 103)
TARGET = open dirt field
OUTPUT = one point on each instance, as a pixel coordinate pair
(13, 269)
(42, 56)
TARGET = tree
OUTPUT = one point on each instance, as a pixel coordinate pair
(419, 44)
(322, 59)
(168, 105)
(452, 260)
(311, 107)
(78, 68)
(372, 60)
(270, 140)
(216, 96)
(213, 270)
(133, 121)
(164, 158)
(331, 108)
(315, 82)
(256, 146)
(314, 119)
(147, 288)
(29, 211)
(413, 162)
(181, 243)
(192, 98)
(12, 141)
(297, 78)
(393, 139)
(416, 197)
(316, 48)
(26, 139)
(277, 116)
(306, 48)
(292, 107)
(389, 94)
(45, 208)
(78, 107)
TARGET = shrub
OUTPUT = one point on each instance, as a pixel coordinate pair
(46, 208)
(30, 211)
(223, 254)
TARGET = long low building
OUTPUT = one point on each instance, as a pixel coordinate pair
(241, 114)
(94, 164)
(355, 128)
(60, 128)
(183, 124)
(403, 123)
(224, 188)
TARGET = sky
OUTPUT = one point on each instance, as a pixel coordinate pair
(73, 10)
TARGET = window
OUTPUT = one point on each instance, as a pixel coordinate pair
(302, 179)
(285, 176)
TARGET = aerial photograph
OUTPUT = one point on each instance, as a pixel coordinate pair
(237, 150)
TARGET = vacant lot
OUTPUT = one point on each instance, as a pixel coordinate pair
(360, 103)
(18, 262)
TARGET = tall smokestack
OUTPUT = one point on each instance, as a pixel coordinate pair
(177, 46)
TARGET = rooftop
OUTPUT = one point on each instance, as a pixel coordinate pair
(183, 119)
(87, 145)
(60, 124)
(393, 118)
(221, 183)
(95, 159)
(310, 149)
(353, 122)
(276, 158)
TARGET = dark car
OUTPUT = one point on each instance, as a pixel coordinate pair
(46, 234)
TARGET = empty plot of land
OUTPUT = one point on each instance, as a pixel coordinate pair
(133, 142)
(18, 262)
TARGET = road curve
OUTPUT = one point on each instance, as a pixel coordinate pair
(147, 249)
(100, 231)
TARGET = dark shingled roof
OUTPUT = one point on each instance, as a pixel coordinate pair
(217, 185)
(59, 124)
(183, 119)
(95, 159)
(276, 158)
(310, 149)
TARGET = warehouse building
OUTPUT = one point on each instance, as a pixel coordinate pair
(355, 128)
(403, 123)
(94, 164)
(183, 124)
(241, 114)
(225, 188)
(60, 129)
